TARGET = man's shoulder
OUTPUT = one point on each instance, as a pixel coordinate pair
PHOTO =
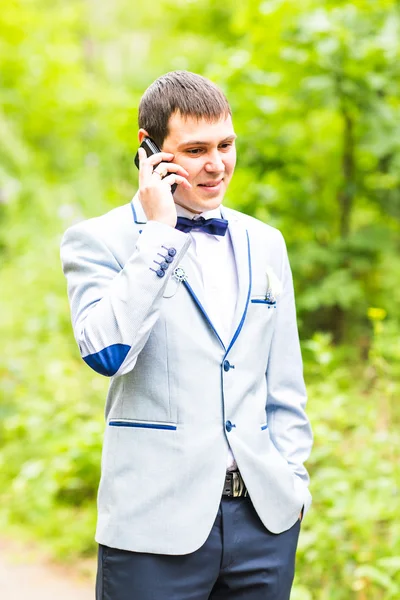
(118, 221)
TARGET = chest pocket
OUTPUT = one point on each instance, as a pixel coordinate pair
(270, 303)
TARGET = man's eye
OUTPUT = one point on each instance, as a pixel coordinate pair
(194, 151)
(226, 146)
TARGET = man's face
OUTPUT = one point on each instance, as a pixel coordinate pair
(207, 152)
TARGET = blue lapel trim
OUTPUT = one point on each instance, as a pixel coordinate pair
(239, 328)
(133, 212)
(201, 307)
(135, 215)
(242, 320)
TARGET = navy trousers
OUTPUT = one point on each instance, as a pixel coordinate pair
(240, 559)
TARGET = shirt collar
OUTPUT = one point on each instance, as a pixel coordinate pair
(215, 213)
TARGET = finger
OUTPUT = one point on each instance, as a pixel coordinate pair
(142, 158)
(148, 162)
(170, 168)
(155, 159)
(171, 179)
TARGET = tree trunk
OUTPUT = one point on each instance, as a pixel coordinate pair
(346, 193)
(345, 198)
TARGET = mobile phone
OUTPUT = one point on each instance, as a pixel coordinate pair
(151, 148)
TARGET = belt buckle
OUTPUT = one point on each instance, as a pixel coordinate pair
(234, 485)
(237, 486)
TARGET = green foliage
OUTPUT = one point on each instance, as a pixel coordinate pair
(350, 544)
(50, 409)
(315, 89)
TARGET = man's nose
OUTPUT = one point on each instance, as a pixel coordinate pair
(215, 163)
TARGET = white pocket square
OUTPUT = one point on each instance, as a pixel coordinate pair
(274, 285)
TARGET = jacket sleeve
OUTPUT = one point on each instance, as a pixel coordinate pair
(289, 426)
(115, 307)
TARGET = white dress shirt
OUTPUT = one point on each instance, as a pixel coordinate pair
(214, 262)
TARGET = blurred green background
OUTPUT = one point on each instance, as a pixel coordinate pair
(315, 91)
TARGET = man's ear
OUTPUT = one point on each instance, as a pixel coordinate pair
(142, 133)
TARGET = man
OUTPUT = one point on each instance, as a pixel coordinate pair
(203, 485)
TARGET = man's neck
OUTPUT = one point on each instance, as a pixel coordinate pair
(182, 211)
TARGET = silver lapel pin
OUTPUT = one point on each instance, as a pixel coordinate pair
(179, 274)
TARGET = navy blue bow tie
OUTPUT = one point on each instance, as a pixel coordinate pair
(214, 226)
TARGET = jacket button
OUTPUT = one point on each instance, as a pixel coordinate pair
(227, 365)
(171, 251)
(160, 272)
(228, 426)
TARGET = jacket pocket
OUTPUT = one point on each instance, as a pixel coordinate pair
(141, 424)
(262, 300)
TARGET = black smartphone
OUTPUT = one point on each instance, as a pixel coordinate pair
(151, 148)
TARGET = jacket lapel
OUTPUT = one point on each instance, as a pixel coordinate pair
(241, 249)
(195, 288)
(137, 210)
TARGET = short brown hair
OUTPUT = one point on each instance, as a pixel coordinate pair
(180, 91)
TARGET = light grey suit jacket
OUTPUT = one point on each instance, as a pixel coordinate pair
(178, 396)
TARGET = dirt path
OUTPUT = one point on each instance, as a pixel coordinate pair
(26, 574)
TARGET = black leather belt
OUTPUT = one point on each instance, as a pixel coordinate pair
(234, 485)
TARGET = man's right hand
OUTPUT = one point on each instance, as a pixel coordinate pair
(156, 176)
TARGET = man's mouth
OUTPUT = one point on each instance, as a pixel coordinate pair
(210, 184)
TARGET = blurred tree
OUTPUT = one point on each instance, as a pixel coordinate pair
(315, 91)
